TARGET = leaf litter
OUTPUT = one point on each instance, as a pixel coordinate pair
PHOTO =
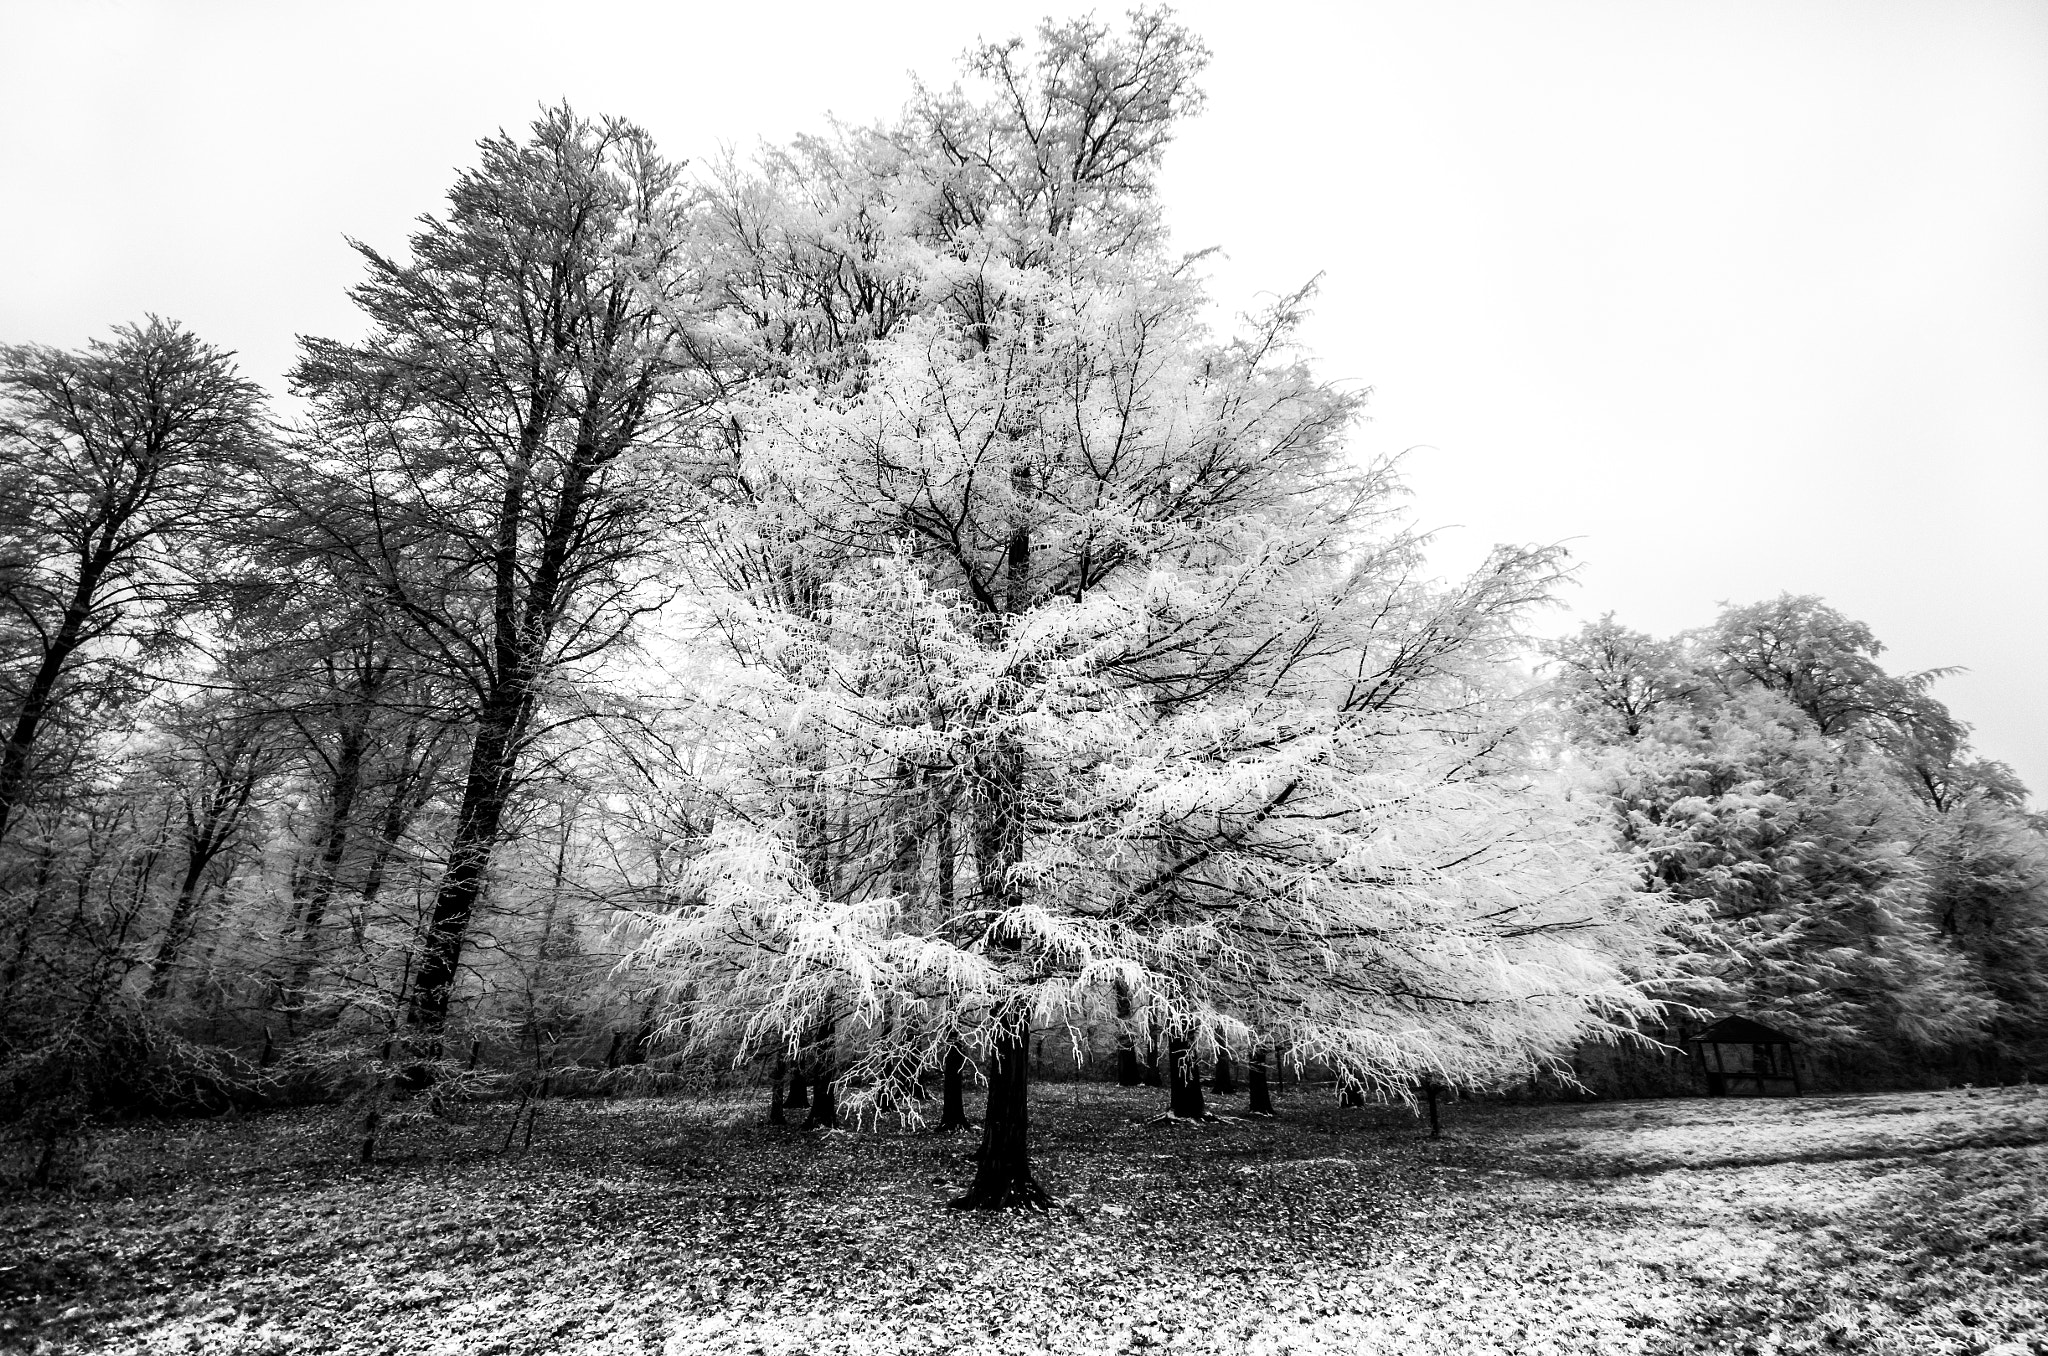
(1910, 1223)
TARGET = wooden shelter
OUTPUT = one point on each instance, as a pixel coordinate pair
(1737, 1057)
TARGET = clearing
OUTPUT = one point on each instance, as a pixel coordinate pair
(1908, 1223)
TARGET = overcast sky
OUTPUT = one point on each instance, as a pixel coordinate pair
(1740, 298)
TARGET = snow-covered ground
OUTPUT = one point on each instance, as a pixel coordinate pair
(1904, 1224)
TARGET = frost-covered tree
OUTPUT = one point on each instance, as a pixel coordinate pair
(1800, 852)
(219, 752)
(1613, 680)
(1825, 664)
(1988, 895)
(1851, 857)
(1107, 596)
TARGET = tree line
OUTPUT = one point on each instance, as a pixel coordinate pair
(852, 612)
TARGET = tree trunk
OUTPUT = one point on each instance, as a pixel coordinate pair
(1429, 1092)
(825, 1072)
(1002, 1174)
(1184, 1080)
(953, 1113)
(469, 858)
(373, 1118)
(642, 1037)
(175, 932)
(824, 1103)
(775, 1115)
(341, 799)
(35, 703)
(953, 1077)
(1127, 1074)
(799, 1089)
(1224, 1082)
(1261, 1103)
(1148, 1072)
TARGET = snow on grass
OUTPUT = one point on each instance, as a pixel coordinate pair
(1730, 1132)
(1907, 1224)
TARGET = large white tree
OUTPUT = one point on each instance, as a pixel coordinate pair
(1114, 671)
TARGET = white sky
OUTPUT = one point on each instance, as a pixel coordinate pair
(1741, 297)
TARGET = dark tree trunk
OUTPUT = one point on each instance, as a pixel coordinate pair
(35, 703)
(178, 929)
(1127, 1075)
(1429, 1093)
(953, 1107)
(775, 1116)
(1148, 1072)
(953, 1112)
(1224, 1081)
(643, 1037)
(1184, 1080)
(824, 1104)
(824, 1073)
(799, 1098)
(373, 1119)
(1002, 1174)
(1261, 1103)
(469, 857)
(341, 798)
(1349, 1093)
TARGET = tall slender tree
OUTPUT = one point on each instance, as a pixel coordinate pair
(506, 443)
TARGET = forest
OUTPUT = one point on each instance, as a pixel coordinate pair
(860, 629)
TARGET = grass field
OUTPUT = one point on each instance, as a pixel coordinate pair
(1913, 1224)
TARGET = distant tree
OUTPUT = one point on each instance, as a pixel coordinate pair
(115, 465)
(1988, 896)
(1823, 663)
(342, 712)
(1800, 853)
(1852, 857)
(220, 751)
(365, 703)
(1615, 681)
